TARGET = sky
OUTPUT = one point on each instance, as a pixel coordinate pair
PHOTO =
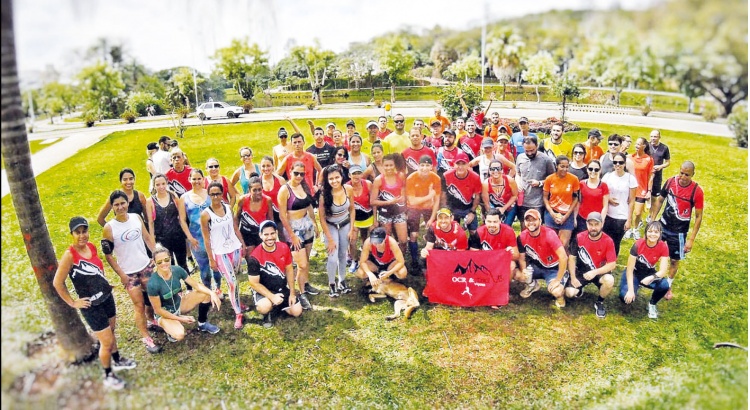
(162, 34)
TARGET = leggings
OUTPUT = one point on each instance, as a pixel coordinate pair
(201, 258)
(177, 246)
(337, 261)
(228, 265)
(615, 229)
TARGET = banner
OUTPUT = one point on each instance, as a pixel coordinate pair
(468, 278)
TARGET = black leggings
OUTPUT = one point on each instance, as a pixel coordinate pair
(178, 247)
(615, 228)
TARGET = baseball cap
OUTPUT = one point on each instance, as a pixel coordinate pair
(77, 221)
(476, 107)
(461, 157)
(425, 159)
(594, 216)
(523, 119)
(449, 131)
(594, 132)
(355, 168)
(350, 122)
(152, 145)
(282, 132)
(265, 224)
(446, 211)
(331, 124)
(533, 213)
(436, 122)
(503, 127)
(502, 137)
(371, 124)
(532, 139)
(487, 143)
(377, 236)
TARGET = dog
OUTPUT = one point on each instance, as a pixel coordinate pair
(406, 298)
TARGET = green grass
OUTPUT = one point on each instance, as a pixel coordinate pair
(343, 354)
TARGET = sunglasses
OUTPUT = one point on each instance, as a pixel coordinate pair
(618, 162)
(165, 260)
(614, 144)
(398, 121)
(215, 194)
(246, 156)
(579, 153)
(339, 155)
(495, 169)
(212, 166)
(298, 174)
(594, 169)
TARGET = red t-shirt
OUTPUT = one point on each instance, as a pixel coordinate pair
(594, 254)
(382, 134)
(592, 199)
(433, 143)
(271, 266)
(540, 250)
(308, 160)
(179, 182)
(412, 156)
(647, 257)
(460, 191)
(446, 158)
(680, 202)
(486, 241)
(471, 145)
(453, 240)
(274, 193)
(250, 220)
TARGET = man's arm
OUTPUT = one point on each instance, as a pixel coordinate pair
(698, 219)
(492, 97)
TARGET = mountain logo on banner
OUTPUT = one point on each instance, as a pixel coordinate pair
(471, 268)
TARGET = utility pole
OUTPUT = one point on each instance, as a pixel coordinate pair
(195, 88)
(484, 41)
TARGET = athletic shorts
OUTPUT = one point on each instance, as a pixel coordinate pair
(136, 279)
(568, 225)
(596, 281)
(548, 274)
(98, 316)
(379, 267)
(304, 228)
(675, 242)
(251, 239)
(413, 216)
(458, 215)
(640, 200)
(364, 224)
(656, 185)
(257, 297)
(392, 219)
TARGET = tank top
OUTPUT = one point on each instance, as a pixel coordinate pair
(274, 193)
(250, 220)
(135, 206)
(375, 170)
(362, 207)
(362, 161)
(224, 184)
(498, 200)
(221, 232)
(484, 167)
(295, 204)
(166, 220)
(87, 275)
(130, 250)
(244, 181)
(386, 257)
(388, 192)
(339, 213)
(193, 212)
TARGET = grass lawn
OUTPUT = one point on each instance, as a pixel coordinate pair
(344, 354)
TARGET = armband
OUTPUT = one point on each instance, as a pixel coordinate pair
(107, 246)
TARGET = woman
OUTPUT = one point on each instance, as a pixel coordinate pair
(577, 166)
(363, 212)
(641, 269)
(560, 200)
(95, 299)
(252, 210)
(376, 166)
(164, 216)
(500, 192)
(341, 158)
(272, 183)
(136, 200)
(356, 156)
(212, 169)
(151, 149)
(487, 156)
(193, 203)
(594, 197)
(644, 174)
(626, 141)
(297, 216)
(171, 305)
(388, 195)
(336, 209)
(124, 249)
(621, 186)
(221, 235)
(506, 150)
(243, 173)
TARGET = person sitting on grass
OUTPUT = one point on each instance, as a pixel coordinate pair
(644, 255)
(172, 305)
(271, 276)
(444, 234)
(381, 259)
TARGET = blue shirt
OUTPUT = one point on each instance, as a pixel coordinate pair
(517, 140)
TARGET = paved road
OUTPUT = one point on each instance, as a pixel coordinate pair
(75, 137)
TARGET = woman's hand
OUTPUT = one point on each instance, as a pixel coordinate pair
(193, 242)
(82, 303)
(629, 297)
(296, 242)
(330, 245)
(213, 265)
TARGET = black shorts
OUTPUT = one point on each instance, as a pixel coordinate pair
(379, 267)
(675, 242)
(98, 316)
(656, 186)
(257, 297)
(641, 200)
(412, 218)
(251, 239)
(596, 281)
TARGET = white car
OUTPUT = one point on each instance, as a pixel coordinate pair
(215, 109)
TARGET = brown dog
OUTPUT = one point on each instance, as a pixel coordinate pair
(406, 298)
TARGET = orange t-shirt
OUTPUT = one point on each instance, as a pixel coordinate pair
(643, 167)
(443, 121)
(595, 152)
(416, 186)
(561, 191)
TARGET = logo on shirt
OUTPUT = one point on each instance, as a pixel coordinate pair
(585, 258)
(270, 268)
(531, 253)
(131, 235)
(456, 193)
(486, 246)
(86, 268)
(177, 187)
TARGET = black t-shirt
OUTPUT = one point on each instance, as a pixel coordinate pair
(270, 266)
(658, 154)
(324, 155)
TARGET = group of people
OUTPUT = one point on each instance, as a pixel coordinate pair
(436, 180)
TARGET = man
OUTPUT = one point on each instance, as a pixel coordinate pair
(531, 171)
(351, 128)
(398, 140)
(477, 115)
(542, 256)
(593, 150)
(178, 176)
(271, 276)
(381, 259)
(614, 144)
(413, 154)
(419, 123)
(444, 234)
(423, 191)
(494, 235)
(518, 137)
(462, 189)
(446, 155)
(298, 154)
(471, 143)
(372, 137)
(682, 195)
(460, 128)
(161, 157)
(626, 141)
(328, 137)
(383, 130)
(435, 140)
(444, 122)
(492, 130)
(592, 261)
(281, 150)
(323, 151)
(660, 154)
(555, 145)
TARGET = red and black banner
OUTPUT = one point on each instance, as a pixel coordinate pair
(468, 278)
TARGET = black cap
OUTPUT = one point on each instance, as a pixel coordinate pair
(594, 132)
(449, 131)
(77, 221)
(350, 122)
(282, 132)
(523, 119)
(425, 159)
(152, 145)
(377, 236)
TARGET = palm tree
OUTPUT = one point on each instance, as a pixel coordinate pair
(75, 341)
(505, 52)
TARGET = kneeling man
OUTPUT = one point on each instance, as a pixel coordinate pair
(542, 256)
(381, 259)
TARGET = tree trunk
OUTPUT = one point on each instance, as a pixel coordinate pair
(316, 95)
(393, 93)
(538, 99)
(75, 341)
(504, 84)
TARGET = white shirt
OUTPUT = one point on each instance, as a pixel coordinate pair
(619, 188)
(161, 161)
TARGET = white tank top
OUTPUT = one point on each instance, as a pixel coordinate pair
(130, 250)
(221, 232)
(484, 167)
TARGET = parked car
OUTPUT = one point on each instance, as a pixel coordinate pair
(214, 109)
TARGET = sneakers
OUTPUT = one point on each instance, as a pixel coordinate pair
(652, 312)
(668, 296)
(208, 327)
(123, 364)
(113, 382)
(628, 234)
(529, 289)
(152, 325)
(304, 302)
(171, 339)
(333, 292)
(343, 288)
(151, 347)
(599, 309)
(310, 290)
(560, 302)
(267, 320)
(244, 308)
(238, 321)
(353, 266)
(529, 272)
(636, 234)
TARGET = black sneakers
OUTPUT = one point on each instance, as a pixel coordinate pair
(310, 290)
(333, 292)
(304, 302)
(343, 288)
(268, 320)
(599, 308)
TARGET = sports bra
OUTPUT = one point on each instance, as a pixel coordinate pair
(293, 203)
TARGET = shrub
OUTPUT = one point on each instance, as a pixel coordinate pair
(129, 116)
(139, 101)
(737, 122)
(378, 103)
(182, 112)
(710, 113)
(450, 101)
(311, 105)
(89, 118)
(246, 105)
(645, 110)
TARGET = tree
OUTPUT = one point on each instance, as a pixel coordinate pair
(396, 60)
(567, 89)
(316, 63)
(540, 69)
(737, 123)
(450, 98)
(180, 90)
(244, 65)
(58, 98)
(441, 57)
(74, 339)
(504, 53)
(102, 90)
(470, 66)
